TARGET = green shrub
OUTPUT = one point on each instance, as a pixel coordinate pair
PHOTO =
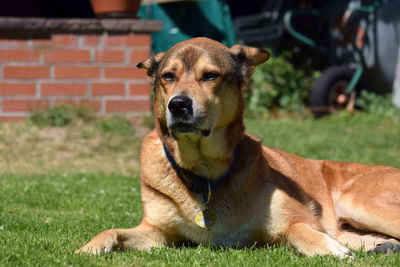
(84, 113)
(277, 84)
(61, 115)
(380, 105)
(116, 124)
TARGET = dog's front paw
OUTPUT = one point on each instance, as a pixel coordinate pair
(93, 249)
(102, 243)
(311, 242)
(336, 249)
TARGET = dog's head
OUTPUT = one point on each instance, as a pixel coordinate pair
(198, 85)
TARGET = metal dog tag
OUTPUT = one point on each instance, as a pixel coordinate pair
(205, 218)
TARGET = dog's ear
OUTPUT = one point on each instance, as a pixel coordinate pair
(151, 64)
(247, 58)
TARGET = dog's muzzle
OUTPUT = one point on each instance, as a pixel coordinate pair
(181, 107)
(183, 118)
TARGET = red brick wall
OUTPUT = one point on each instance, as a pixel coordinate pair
(93, 70)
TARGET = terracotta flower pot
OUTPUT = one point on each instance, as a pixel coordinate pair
(115, 8)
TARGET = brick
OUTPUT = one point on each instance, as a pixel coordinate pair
(127, 105)
(128, 40)
(27, 55)
(63, 101)
(110, 56)
(76, 72)
(139, 89)
(94, 105)
(138, 56)
(21, 105)
(124, 73)
(13, 42)
(65, 39)
(139, 40)
(42, 42)
(108, 89)
(116, 40)
(12, 118)
(57, 40)
(17, 88)
(26, 72)
(67, 55)
(91, 40)
(68, 89)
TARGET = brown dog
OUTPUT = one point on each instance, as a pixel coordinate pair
(204, 180)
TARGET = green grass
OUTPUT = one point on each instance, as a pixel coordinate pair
(345, 137)
(45, 217)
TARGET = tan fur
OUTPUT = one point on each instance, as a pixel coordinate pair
(271, 197)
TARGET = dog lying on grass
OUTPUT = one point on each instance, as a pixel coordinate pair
(204, 180)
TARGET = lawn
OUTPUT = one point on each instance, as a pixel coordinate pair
(61, 186)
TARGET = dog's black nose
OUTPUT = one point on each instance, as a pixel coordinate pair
(180, 105)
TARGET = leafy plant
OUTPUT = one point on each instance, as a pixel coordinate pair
(279, 84)
(380, 105)
(57, 116)
(84, 113)
(116, 124)
(61, 115)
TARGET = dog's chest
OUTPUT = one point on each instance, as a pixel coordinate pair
(226, 227)
(218, 234)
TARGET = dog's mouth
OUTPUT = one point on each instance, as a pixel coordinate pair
(188, 128)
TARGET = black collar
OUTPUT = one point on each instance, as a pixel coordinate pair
(197, 183)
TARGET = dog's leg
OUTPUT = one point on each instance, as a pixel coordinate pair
(372, 203)
(309, 241)
(369, 242)
(142, 237)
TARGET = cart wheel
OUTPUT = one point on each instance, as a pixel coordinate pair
(327, 94)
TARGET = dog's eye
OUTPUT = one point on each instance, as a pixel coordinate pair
(210, 76)
(168, 76)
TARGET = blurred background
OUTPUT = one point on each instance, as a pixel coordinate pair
(327, 54)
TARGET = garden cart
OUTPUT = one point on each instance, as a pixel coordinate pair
(364, 40)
